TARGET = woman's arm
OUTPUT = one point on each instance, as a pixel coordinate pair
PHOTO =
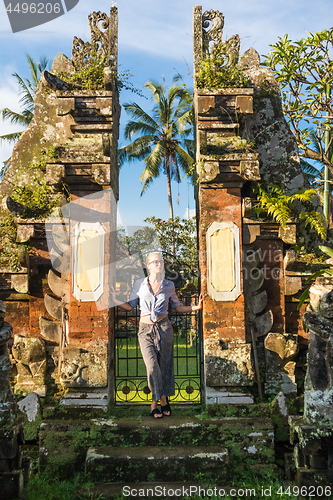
(186, 309)
(125, 306)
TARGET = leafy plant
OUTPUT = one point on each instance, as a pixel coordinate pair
(90, 75)
(326, 271)
(9, 248)
(38, 197)
(303, 70)
(215, 74)
(281, 207)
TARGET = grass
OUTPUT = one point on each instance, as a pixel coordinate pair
(131, 378)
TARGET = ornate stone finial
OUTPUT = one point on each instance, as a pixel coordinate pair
(212, 32)
(104, 36)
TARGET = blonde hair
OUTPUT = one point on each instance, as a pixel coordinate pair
(161, 257)
(153, 253)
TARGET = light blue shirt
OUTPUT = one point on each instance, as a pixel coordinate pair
(150, 304)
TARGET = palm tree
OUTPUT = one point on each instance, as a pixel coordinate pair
(161, 135)
(27, 90)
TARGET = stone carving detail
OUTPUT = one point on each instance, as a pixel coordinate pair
(83, 367)
(280, 352)
(230, 49)
(212, 38)
(318, 394)
(99, 23)
(30, 358)
(213, 32)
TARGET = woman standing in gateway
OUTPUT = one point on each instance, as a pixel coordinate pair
(153, 295)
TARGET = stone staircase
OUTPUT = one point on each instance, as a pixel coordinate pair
(166, 453)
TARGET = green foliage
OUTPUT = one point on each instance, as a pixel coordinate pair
(182, 232)
(9, 248)
(281, 207)
(326, 271)
(38, 198)
(90, 74)
(214, 74)
(303, 70)
(44, 487)
(141, 242)
(175, 238)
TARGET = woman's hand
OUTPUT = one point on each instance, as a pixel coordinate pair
(188, 309)
(199, 306)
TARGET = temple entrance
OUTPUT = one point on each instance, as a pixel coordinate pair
(130, 371)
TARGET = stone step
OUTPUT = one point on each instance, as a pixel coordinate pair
(138, 463)
(246, 438)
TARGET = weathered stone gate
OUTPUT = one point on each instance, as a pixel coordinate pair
(60, 315)
(242, 137)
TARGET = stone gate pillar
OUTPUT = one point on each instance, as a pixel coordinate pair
(224, 164)
(67, 323)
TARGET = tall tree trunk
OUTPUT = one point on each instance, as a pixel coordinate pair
(167, 168)
(167, 165)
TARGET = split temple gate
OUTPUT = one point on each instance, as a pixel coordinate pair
(59, 278)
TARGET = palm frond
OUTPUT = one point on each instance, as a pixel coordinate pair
(152, 170)
(134, 127)
(190, 147)
(138, 113)
(23, 118)
(185, 160)
(43, 63)
(33, 70)
(138, 149)
(26, 91)
(185, 122)
(9, 138)
(310, 169)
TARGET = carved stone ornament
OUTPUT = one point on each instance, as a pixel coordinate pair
(99, 23)
(213, 32)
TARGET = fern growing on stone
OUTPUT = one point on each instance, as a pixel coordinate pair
(281, 207)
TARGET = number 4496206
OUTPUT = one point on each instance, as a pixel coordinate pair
(34, 8)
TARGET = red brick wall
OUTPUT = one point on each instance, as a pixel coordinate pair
(224, 318)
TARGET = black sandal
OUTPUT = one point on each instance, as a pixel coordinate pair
(166, 408)
(155, 411)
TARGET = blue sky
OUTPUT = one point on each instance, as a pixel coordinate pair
(155, 39)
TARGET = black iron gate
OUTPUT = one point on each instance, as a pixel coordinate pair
(130, 371)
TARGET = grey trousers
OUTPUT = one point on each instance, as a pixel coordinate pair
(156, 344)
